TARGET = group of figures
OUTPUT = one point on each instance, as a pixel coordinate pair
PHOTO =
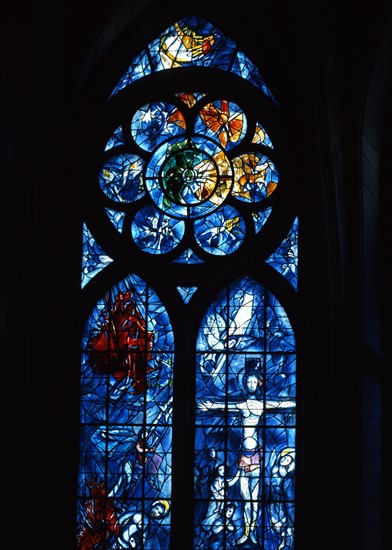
(253, 508)
(218, 529)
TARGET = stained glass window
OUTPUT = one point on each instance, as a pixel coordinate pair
(189, 269)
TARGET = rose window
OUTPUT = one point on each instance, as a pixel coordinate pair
(188, 169)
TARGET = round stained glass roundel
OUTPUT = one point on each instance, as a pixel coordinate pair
(189, 178)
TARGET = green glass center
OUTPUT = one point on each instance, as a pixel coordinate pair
(189, 176)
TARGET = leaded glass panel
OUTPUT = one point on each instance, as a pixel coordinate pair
(245, 422)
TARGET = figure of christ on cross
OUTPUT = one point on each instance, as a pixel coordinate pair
(248, 473)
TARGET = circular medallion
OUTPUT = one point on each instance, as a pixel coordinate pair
(189, 177)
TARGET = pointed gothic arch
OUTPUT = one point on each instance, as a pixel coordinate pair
(188, 186)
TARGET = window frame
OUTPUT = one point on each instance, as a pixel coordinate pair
(284, 154)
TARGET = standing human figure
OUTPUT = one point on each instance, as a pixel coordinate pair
(282, 496)
(250, 410)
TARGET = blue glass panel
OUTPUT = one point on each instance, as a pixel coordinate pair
(120, 178)
(148, 527)
(139, 67)
(188, 257)
(186, 292)
(94, 258)
(245, 422)
(255, 177)
(222, 232)
(155, 122)
(285, 258)
(242, 66)
(116, 217)
(126, 418)
(259, 218)
(115, 140)
(154, 232)
(280, 334)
